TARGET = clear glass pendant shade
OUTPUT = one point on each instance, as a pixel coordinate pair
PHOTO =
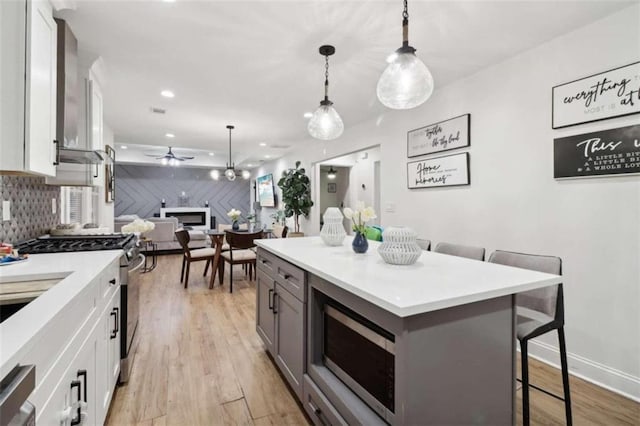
(325, 123)
(405, 83)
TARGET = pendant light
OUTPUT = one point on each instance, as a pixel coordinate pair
(406, 82)
(326, 123)
(230, 172)
(331, 174)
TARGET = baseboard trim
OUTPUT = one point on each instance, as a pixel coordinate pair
(599, 374)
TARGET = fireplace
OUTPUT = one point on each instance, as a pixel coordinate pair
(195, 217)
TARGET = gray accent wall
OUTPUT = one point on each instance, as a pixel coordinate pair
(140, 190)
(31, 212)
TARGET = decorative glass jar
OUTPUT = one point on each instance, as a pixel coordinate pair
(333, 232)
(399, 246)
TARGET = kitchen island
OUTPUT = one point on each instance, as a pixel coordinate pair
(69, 332)
(447, 325)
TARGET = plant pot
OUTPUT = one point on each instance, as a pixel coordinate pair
(360, 243)
(295, 234)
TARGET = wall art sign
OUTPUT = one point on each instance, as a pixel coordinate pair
(606, 152)
(332, 187)
(449, 170)
(441, 136)
(613, 93)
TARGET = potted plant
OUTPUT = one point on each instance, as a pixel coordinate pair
(296, 194)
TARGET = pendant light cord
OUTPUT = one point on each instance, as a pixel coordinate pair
(405, 25)
(230, 166)
(326, 77)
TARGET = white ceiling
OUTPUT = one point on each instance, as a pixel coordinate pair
(255, 64)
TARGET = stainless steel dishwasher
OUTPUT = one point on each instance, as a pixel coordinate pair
(131, 264)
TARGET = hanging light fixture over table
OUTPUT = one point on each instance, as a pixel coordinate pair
(230, 172)
(406, 82)
(326, 123)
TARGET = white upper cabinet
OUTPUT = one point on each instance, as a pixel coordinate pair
(28, 37)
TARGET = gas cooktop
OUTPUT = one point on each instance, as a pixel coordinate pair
(68, 243)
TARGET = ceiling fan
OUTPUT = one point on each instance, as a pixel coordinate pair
(170, 158)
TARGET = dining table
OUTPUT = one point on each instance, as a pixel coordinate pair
(217, 240)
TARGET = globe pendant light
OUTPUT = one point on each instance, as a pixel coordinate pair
(230, 172)
(406, 82)
(331, 174)
(325, 123)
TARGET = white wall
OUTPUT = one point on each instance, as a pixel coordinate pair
(513, 202)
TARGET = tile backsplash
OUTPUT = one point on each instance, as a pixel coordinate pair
(31, 212)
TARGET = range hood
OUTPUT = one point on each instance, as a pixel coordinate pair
(68, 149)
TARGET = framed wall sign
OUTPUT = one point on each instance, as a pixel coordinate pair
(606, 152)
(332, 187)
(449, 170)
(441, 136)
(613, 93)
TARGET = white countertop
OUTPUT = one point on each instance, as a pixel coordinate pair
(77, 270)
(435, 282)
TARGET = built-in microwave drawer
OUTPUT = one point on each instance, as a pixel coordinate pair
(290, 277)
(318, 407)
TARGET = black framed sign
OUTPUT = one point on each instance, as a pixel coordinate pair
(449, 170)
(606, 152)
(442, 136)
(612, 93)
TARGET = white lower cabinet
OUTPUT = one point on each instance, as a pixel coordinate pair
(85, 385)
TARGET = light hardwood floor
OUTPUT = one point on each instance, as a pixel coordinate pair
(200, 362)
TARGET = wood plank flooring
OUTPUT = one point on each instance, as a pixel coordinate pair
(200, 362)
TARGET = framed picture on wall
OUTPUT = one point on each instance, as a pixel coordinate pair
(609, 94)
(449, 170)
(332, 188)
(441, 136)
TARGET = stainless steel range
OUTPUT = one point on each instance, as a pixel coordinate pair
(131, 263)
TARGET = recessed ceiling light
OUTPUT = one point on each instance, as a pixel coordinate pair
(249, 165)
(211, 154)
(167, 94)
(263, 144)
(308, 114)
(123, 146)
(170, 135)
(267, 156)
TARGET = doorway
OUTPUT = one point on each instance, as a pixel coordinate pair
(345, 180)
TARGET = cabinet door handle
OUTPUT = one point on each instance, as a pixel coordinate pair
(112, 281)
(57, 144)
(275, 294)
(117, 319)
(95, 175)
(286, 276)
(76, 384)
(83, 374)
(114, 332)
(270, 299)
(318, 412)
(264, 261)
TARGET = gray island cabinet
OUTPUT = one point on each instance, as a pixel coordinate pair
(363, 342)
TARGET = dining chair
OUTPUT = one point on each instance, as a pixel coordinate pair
(239, 253)
(424, 244)
(280, 231)
(193, 255)
(538, 312)
(224, 227)
(475, 253)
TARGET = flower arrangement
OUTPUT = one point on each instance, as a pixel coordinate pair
(359, 216)
(138, 225)
(234, 214)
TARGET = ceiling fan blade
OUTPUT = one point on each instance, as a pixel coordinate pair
(185, 158)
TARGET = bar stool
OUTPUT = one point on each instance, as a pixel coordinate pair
(538, 312)
(475, 253)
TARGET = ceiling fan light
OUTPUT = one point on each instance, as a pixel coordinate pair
(164, 161)
(325, 124)
(215, 174)
(406, 82)
(230, 174)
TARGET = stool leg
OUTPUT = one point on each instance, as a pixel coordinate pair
(206, 268)
(184, 259)
(525, 382)
(565, 376)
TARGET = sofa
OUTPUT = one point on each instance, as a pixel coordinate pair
(164, 233)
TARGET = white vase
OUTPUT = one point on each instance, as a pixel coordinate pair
(399, 246)
(332, 232)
